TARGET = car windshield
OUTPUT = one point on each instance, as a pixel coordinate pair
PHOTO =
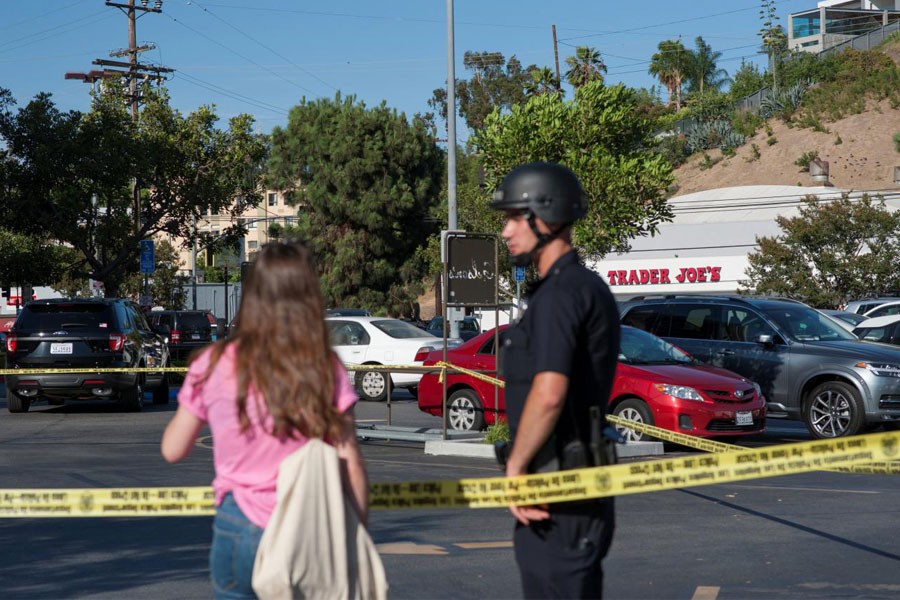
(638, 347)
(874, 334)
(400, 330)
(852, 318)
(464, 325)
(807, 325)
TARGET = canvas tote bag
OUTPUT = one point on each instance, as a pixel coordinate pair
(314, 545)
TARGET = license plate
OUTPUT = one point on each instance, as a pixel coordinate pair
(195, 336)
(61, 348)
(743, 418)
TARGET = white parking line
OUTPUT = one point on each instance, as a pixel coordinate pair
(706, 592)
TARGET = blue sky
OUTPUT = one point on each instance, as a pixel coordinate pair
(262, 56)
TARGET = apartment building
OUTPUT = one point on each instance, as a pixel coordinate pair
(833, 22)
(262, 222)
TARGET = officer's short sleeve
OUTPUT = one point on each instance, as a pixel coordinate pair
(556, 330)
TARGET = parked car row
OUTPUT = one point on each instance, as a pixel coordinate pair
(655, 383)
(379, 341)
(677, 353)
(84, 333)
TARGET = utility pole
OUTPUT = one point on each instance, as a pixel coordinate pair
(556, 59)
(134, 71)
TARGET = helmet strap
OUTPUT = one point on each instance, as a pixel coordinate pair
(522, 260)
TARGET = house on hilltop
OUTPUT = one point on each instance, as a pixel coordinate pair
(834, 22)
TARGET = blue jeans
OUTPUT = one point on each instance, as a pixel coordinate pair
(234, 544)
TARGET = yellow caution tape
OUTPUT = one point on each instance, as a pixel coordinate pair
(96, 370)
(113, 502)
(445, 366)
(692, 441)
(563, 486)
(632, 478)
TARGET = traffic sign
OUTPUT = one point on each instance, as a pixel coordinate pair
(520, 274)
(148, 260)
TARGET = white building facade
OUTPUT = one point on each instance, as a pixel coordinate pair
(705, 248)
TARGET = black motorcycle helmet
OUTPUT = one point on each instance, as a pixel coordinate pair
(550, 191)
(547, 191)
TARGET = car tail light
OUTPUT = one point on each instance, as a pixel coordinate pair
(116, 341)
(94, 382)
(174, 337)
(11, 342)
(422, 353)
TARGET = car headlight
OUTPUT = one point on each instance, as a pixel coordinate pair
(682, 392)
(757, 389)
(881, 369)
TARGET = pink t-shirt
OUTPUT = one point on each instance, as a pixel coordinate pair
(246, 463)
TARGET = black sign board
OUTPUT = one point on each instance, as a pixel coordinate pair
(471, 270)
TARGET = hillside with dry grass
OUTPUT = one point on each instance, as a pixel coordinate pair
(859, 148)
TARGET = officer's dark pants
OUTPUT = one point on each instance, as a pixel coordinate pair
(560, 557)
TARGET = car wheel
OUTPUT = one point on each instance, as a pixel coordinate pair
(372, 385)
(15, 404)
(464, 411)
(132, 399)
(161, 393)
(637, 411)
(833, 409)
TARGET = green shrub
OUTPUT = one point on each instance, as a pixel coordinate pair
(897, 141)
(838, 141)
(772, 140)
(746, 123)
(497, 432)
(708, 162)
(673, 148)
(860, 76)
(754, 153)
(806, 158)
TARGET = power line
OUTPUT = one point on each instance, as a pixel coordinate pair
(254, 40)
(634, 29)
(231, 94)
(235, 52)
(54, 31)
(36, 17)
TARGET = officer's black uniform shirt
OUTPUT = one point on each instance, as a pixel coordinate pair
(571, 326)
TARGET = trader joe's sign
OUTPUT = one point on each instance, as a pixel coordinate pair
(699, 274)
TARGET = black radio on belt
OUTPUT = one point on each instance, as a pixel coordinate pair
(600, 451)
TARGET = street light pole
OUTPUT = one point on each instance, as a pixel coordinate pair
(451, 121)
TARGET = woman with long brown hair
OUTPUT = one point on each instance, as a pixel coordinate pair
(264, 391)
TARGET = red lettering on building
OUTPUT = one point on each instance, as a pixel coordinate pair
(702, 274)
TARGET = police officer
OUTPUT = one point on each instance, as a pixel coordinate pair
(558, 360)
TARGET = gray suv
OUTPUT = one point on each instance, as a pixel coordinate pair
(808, 366)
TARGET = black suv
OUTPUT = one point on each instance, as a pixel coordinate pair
(188, 329)
(84, 333)
(808, 366)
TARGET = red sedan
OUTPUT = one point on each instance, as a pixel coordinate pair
(656, 383)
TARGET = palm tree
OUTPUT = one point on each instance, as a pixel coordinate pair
(585, 66)
(670, 65)
(542, 81)
(704, 71)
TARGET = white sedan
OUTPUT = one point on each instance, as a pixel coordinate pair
(381, 341)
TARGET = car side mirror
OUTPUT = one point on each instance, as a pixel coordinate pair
(766, 340)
